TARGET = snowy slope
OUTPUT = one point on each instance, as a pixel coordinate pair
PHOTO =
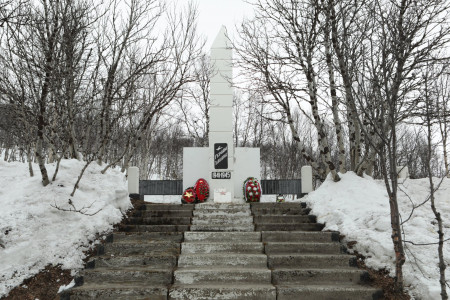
(359, 209)
(33, 234)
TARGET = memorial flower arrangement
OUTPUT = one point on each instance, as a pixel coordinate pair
(199, 193)
(188, 196)
(201, 188)
(280, 198)
(252, 190)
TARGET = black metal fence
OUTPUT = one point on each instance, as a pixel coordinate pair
(160, 187)
(175, 187)
(282, 186)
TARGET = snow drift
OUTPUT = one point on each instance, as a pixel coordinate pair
(34, 234)
(359, 209)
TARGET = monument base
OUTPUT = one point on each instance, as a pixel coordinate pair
(196, 165)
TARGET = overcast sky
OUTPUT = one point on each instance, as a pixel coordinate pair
(215, 13)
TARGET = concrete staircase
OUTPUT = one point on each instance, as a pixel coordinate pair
(307, 263)
(222, 257)
(137, 262)
(223, 251)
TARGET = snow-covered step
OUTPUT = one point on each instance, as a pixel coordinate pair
(151, 261)
(288, 227)
(311, 260)
(221, 212)
(302, 247)
(117, 291)
(142, 274)
(318, 276)
(223, 227)
(132, 248)
(222, 206)
(214, 236)
(222, 260)
(164, 220)
(163, 213)
(222, 220)
(166, 207)
(146, 236)
(299, 236)
(224, 247)
(288, 219)
(223, 290)
(328, 291)
(154, 228)
(207, 275)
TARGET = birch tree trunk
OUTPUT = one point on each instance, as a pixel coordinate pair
(334, 101)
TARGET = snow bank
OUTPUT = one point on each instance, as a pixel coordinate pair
(33, 234)
(359, 209)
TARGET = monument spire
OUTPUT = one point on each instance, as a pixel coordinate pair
(221, 154)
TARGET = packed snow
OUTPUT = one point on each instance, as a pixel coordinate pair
(34, 234)
(359, 209)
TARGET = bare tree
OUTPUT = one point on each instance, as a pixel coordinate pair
(288, 72)
(404, 36)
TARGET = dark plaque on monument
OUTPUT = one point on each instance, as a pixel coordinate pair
(221, 156)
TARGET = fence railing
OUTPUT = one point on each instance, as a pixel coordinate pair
(175, 187)
(139, 188)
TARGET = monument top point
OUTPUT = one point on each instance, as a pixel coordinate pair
(221, 41)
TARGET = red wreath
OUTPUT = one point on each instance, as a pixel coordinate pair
(188, 196)
(201, 189)
(252, 190)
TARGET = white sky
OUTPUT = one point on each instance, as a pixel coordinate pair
(215, 13)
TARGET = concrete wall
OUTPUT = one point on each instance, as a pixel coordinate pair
(195, 165)
(247, 164)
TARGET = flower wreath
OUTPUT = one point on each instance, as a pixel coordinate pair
(252, 190)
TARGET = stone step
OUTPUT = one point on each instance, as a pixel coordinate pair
(223, 291)
(256, 205)
(221, 275)
(165, 207)
(214, 227)
(160, 220)
(305, 248)
(116, 290)
(287, 211)
(275, 205)
(128, 274)
(162, 213)
(315, 276)
(222, 247)
(222, 259)
(291, 219)
(329, 292)
(154, 228)
(222, 212)
(289, 227)
(212, 236)
(310, 261)
(299, 236)
(223, 220)
(146, 236)
(134, 248)
(160, 261)
(222, 206)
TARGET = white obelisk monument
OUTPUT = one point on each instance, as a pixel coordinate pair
(224, 166)
(221, 119)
